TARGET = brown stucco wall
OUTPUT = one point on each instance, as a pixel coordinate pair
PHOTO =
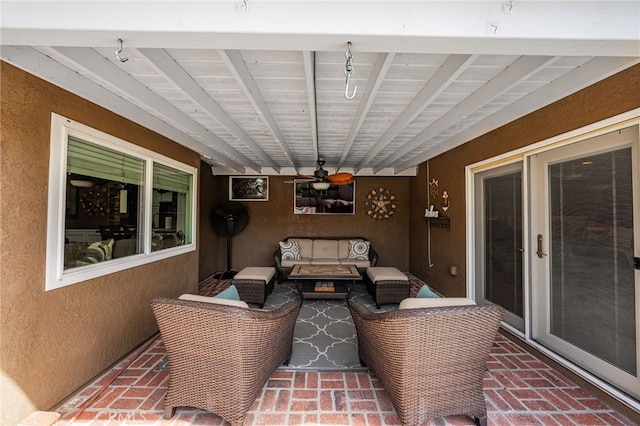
(615, 95)
(273, 220)
(53, 342)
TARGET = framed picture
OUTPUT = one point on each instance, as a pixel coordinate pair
(337, 199)
(248, 188)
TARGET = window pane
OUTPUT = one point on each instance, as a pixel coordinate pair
(172, 193)
(103, 207)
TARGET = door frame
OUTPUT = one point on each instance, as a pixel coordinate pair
(523, 154)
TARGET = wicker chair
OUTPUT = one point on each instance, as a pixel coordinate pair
(431, 361)
(220, 357)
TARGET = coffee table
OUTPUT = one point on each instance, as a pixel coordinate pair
(324, 281)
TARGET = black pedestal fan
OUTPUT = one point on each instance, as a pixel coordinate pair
(229, 219)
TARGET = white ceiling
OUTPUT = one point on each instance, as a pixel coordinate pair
(257, 87)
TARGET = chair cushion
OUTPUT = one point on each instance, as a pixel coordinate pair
(343, 249)
(264, 273)
(306, 246)
(289, 250)
(386, 273)
(325, 249)
(358, 250)
(414, 303)
(230, 293)
(216, 300)
(425, 291)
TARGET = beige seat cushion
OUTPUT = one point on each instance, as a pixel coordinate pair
(216, 300)
(264, 273)
(325, 249)
(306, 246)
(343, 248)
(322, 261)
(386, 273)
(288, 263)
(434, 302)
(359, 263)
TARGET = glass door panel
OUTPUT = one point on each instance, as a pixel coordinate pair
(584, 267)
(499, 241)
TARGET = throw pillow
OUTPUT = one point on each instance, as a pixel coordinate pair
(358, 250)
(230, 293)
(425, 291)
(289, 250)
(90, 256)
(106, 247)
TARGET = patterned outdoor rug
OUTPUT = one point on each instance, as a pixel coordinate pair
(324, 337)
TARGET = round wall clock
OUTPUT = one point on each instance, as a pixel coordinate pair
(381, 204)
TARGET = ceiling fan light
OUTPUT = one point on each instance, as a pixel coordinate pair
(321, 186)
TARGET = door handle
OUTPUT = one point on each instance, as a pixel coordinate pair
(540, 253)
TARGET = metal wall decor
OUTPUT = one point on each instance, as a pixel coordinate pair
(381, 204)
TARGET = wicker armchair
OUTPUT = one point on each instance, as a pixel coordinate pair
(220, 357)
(431, 361)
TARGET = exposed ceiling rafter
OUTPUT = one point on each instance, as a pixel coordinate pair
(518, 71)
(104, 69)
(581, 77)
(383, 62)
(446, 74)
(237, 66)
(164, 64)
(309, 60)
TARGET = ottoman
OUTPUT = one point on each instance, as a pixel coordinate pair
(255, 283)
(387, 285)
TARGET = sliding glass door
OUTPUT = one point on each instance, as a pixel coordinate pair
(499, 248)
(584, 286)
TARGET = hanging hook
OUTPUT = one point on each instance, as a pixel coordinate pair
(348, 72)
(119, 51)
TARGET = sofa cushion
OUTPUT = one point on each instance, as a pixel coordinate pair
(289, 250)
(323, 261)
(343, 249)
(414, 303)
(216, 300)
(290, 262)
(306, 246)
(362, 264)
(358, 250)
(325, 249)
(425, 291)
(126, 247)
(230, 293)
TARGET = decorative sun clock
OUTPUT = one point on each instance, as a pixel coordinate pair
(380, 204)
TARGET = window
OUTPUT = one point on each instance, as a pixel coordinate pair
(112, 205)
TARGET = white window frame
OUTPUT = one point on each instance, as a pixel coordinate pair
(56, 275)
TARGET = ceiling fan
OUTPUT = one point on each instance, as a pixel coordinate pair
(321, 179)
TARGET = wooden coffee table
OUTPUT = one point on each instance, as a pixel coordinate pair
(324, 281)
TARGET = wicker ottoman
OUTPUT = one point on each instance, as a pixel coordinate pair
(255, 283)
(387, 284)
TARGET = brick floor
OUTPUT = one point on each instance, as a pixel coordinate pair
(519, 390)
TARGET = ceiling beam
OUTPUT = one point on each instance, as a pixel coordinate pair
(237, 66)
(380, 68)
(446, 74)
(480, 26)
(309, 60)
(163, 63)
(593, 71)
(522, 68)
(42, 66)
(108, 72)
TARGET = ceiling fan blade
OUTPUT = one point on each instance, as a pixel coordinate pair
(341, 178)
